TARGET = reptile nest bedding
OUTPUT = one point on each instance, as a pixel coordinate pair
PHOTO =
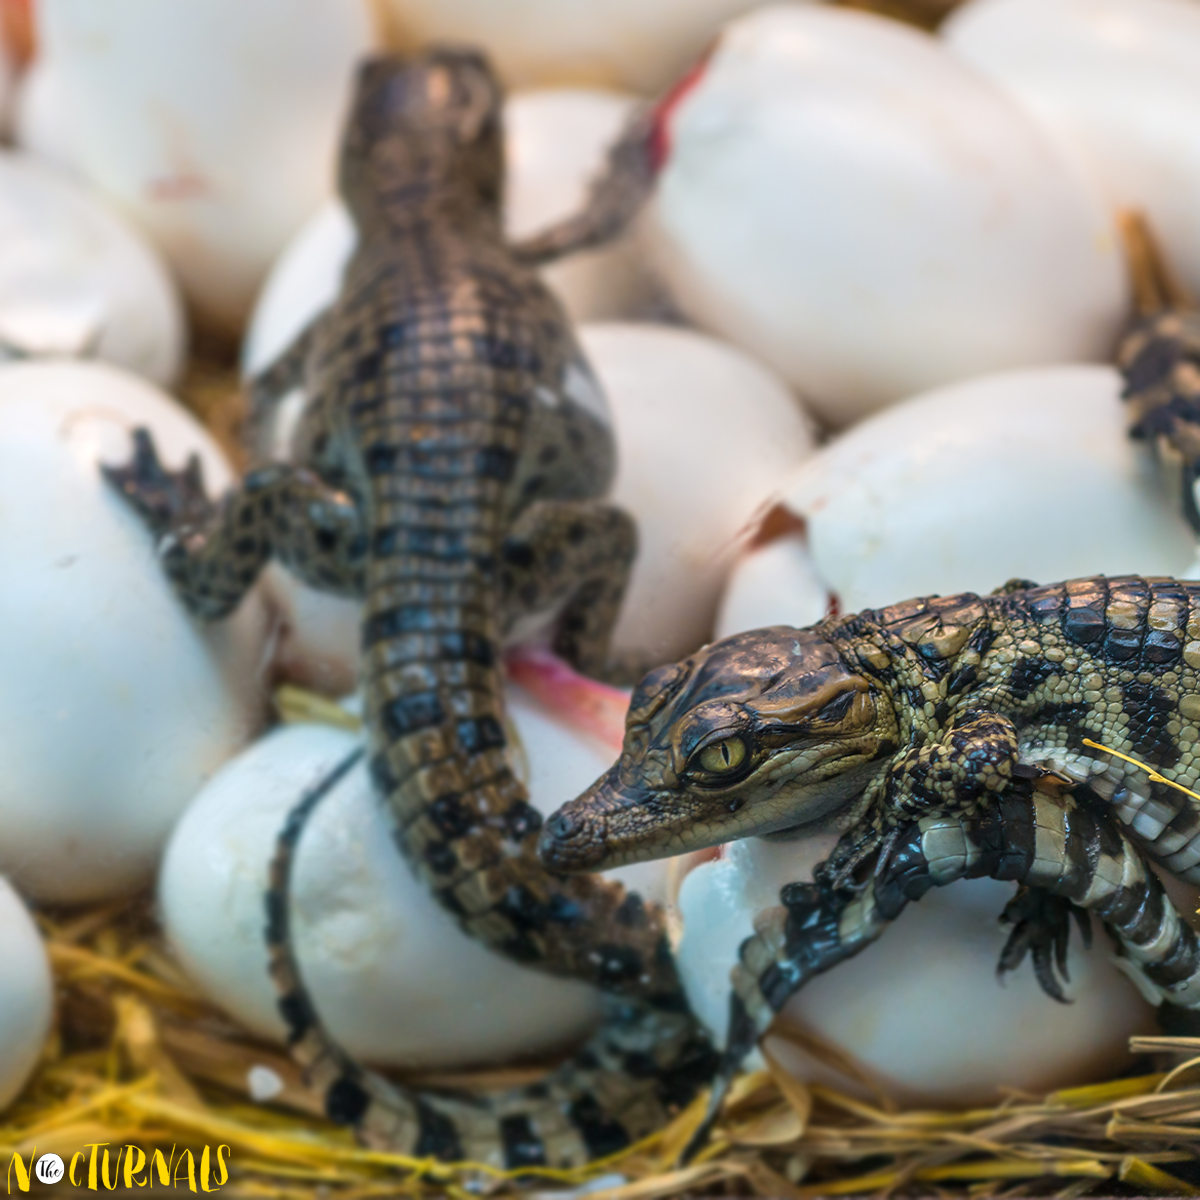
(139, 1060)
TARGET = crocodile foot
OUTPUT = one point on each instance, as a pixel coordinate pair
(1041, 927)
(165, 500)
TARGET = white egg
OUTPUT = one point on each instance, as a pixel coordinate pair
(555, 142)
(706, 437)
(212, 126)
(26, 994)
(388, 968)
(614, 43)
(1023, 474)
(693, 471)
(1117, 80)
(773, 584)
(77, 282)
(921, 1009)
(115, 705)
(845, 199)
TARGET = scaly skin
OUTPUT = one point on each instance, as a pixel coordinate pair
(447, 469)
(932, 711)
(1160, 360)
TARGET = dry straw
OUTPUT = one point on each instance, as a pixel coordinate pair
(138, 1058)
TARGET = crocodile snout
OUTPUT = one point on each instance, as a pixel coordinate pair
(571, 840)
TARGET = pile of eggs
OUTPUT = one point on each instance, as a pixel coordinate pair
(857, 348)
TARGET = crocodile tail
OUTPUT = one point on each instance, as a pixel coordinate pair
(642, 1067)
(439, 754)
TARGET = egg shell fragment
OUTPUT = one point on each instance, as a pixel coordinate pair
(849, 202)
(212, 124)
(77, 281)
(605, 43)
(392, 975)
(693, 485)
(921, 1009)
(1116, 80)
(26, 994)
(115, 704)
(1019, 475)
(556, 140)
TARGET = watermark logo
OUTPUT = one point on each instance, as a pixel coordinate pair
(101, 1165)
(50, 1168)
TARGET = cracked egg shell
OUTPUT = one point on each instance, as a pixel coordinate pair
(1020, 475)
(693, 470)
(115, 705)
(1117, 82)
(212, 125)
(845, 199)
(391, 973)
(555, 141)
(76, 281)
(26, 994)
(607, 43)
(921, 1009)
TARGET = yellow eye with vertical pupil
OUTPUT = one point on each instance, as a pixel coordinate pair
(724, 756)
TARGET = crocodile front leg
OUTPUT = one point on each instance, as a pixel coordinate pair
(966, 769)
(213, 553)
(571, 559)
(1051, 845)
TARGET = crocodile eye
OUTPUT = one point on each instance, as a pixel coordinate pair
(723, 757)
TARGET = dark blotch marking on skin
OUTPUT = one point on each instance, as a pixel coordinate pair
(436, 1135)
(297, 1014)
(1028, 674)
(521, 820)
(453, 818)
(600, 1132)
(522, 1147)
(411, 714)
(480, 734)
(346, 1101)
(1150, 708)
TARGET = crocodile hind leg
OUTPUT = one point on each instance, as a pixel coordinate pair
(1046, 843)
(572, 559)
(213, 553)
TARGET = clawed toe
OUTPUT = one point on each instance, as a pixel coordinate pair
(1041, 928)
(164, 499)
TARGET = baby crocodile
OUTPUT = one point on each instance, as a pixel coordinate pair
(923, 728)
(447, 469)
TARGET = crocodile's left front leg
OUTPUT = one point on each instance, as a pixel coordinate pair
(214, 552)
(1047, 843)
(967, 769)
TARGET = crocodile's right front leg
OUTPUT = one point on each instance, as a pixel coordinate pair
(213, 553)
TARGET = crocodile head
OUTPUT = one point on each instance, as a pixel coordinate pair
(754, 735)
(421, 130)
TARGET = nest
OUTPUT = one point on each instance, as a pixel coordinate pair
(139, 1059)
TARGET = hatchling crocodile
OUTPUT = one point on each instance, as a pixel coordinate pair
(448, 469)
(947, 737)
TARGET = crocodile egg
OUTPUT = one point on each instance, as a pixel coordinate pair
(389, 970)
(76, 281)
(1024, 474)
(845, 199)
(1117, 81)
(555, 141)
(615, 43)
(115, 705)
(693, 487)
(26, 994)
(212, 124)
(921, 1009)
